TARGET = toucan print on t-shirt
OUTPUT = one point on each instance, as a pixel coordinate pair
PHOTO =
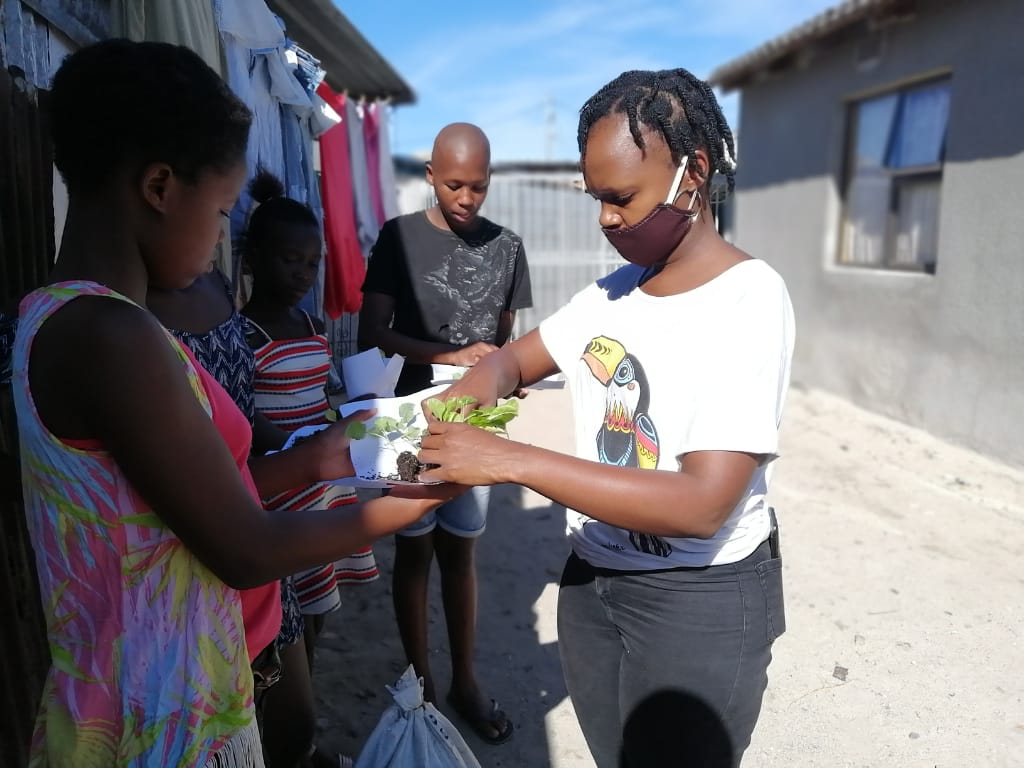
(626, 437)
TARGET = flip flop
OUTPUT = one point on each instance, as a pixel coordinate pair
(484, 724)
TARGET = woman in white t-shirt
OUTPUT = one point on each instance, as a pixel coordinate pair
(677, 362)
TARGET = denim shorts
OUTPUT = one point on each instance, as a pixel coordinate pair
(465, 516)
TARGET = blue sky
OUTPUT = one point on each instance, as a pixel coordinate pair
(522, 69)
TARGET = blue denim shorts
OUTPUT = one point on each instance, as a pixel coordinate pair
(465, 517)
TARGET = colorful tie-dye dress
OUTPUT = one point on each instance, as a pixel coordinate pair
(149, 663)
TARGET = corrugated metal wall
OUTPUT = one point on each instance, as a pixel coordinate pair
(26, 188)
(27, 249)
(26, 239)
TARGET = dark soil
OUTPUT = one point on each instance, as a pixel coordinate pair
(409, 467)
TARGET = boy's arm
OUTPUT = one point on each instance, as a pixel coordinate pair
(506, 322)
(375, 331)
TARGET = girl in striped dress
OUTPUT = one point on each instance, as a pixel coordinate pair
(293, 359)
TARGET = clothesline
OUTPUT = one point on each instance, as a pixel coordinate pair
(350, 186)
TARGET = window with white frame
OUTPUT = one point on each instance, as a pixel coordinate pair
(896, 147)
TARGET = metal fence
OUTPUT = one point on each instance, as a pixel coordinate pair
(557, 221)
(547, 207)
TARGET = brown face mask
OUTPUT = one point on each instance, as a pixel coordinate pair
(652, 239)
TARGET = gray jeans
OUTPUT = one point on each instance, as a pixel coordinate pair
(668, 668)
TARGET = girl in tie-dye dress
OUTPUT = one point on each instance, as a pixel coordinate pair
(144, 518)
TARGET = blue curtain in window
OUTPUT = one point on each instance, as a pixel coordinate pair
(919, 137)
(874, 127)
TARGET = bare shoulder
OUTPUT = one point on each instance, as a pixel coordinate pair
(98, 329)
(87, 356)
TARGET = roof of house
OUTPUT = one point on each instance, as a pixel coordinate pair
(775, 53)
(352, 64)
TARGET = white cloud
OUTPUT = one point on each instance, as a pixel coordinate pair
(518, 70)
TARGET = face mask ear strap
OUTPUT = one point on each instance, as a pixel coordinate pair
(673, 191)
(694, 208)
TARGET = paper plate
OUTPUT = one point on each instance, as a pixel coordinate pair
(376, 459)
(446, 374)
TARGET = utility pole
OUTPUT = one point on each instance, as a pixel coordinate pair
(550, 129)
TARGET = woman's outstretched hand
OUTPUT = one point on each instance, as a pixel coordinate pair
(466, 455)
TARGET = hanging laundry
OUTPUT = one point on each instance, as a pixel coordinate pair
(366, 219)
(344, 262)
(186, 22)
(299, 176)
(190, 23)
(371, 139)
(386, 168)
(255, 49)
(300, 125)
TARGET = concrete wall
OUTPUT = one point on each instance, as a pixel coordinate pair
(944, 352)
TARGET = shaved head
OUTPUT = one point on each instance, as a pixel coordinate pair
(459, 171)
(461, 143)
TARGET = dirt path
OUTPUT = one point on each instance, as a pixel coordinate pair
(905, 602)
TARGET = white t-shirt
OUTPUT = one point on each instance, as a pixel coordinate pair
(653, 378)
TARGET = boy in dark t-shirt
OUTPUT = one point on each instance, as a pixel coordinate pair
(443, 286)
(458, 292)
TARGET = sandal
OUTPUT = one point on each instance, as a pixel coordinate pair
(486, 725)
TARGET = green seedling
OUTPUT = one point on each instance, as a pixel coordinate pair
(388, 428)
(493, 419)
(449, 410)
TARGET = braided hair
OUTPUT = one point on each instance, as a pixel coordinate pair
(679, 106)
(272, 209)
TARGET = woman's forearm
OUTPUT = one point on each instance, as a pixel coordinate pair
(662, 503)
(294, 541)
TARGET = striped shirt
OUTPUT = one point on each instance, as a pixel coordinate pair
(290, 378)
(289, 383)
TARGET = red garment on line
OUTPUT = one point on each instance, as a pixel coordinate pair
(344, 263)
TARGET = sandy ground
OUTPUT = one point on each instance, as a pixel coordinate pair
(904, 599)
